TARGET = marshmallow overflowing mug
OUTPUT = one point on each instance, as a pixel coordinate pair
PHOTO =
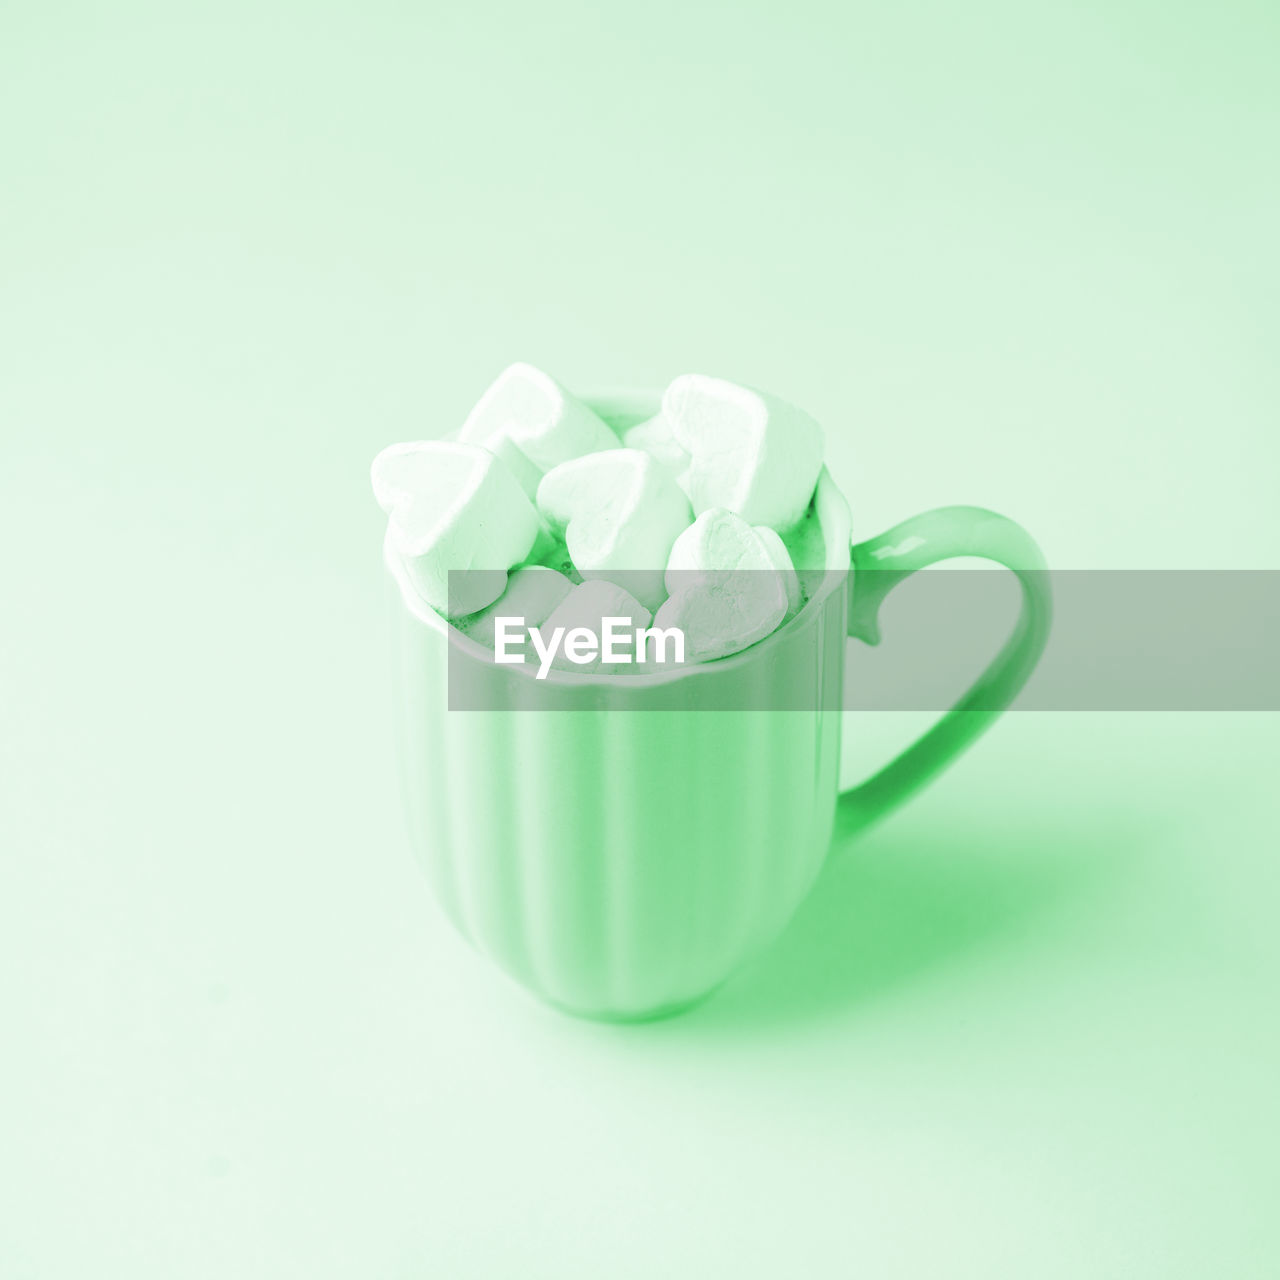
(620, 840)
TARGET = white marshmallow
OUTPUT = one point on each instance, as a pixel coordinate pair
(653, 435)
(454, 506)
(730, 585)
(620, 512)
(587, 606)
(533, 424)
(750, 452)
(780, 557)
(533, 594)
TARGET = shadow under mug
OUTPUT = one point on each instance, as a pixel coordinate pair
(618, 845)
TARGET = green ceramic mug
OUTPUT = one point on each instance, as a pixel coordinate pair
(618, 844)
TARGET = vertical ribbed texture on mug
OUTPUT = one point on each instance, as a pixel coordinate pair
(617, 862)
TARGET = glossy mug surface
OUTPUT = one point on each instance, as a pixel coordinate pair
(620, 861)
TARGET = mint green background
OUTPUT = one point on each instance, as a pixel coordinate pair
(1016, 255)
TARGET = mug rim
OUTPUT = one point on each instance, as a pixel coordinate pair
(834, 518)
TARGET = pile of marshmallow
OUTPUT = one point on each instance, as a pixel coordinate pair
(675, 522)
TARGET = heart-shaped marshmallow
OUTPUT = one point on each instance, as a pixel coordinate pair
(730, 585)
(533, 424)
(749, 452)
(533, 594)
(780, 558)
(620, 512)
(587, 606)
(454, 506)
(653, 435)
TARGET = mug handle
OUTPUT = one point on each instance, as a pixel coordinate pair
(879, 564)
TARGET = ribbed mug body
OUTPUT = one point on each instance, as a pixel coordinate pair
(620, 846)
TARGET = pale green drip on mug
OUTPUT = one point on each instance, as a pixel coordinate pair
(621, 862)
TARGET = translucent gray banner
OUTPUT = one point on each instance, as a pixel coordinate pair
(1122, 640)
